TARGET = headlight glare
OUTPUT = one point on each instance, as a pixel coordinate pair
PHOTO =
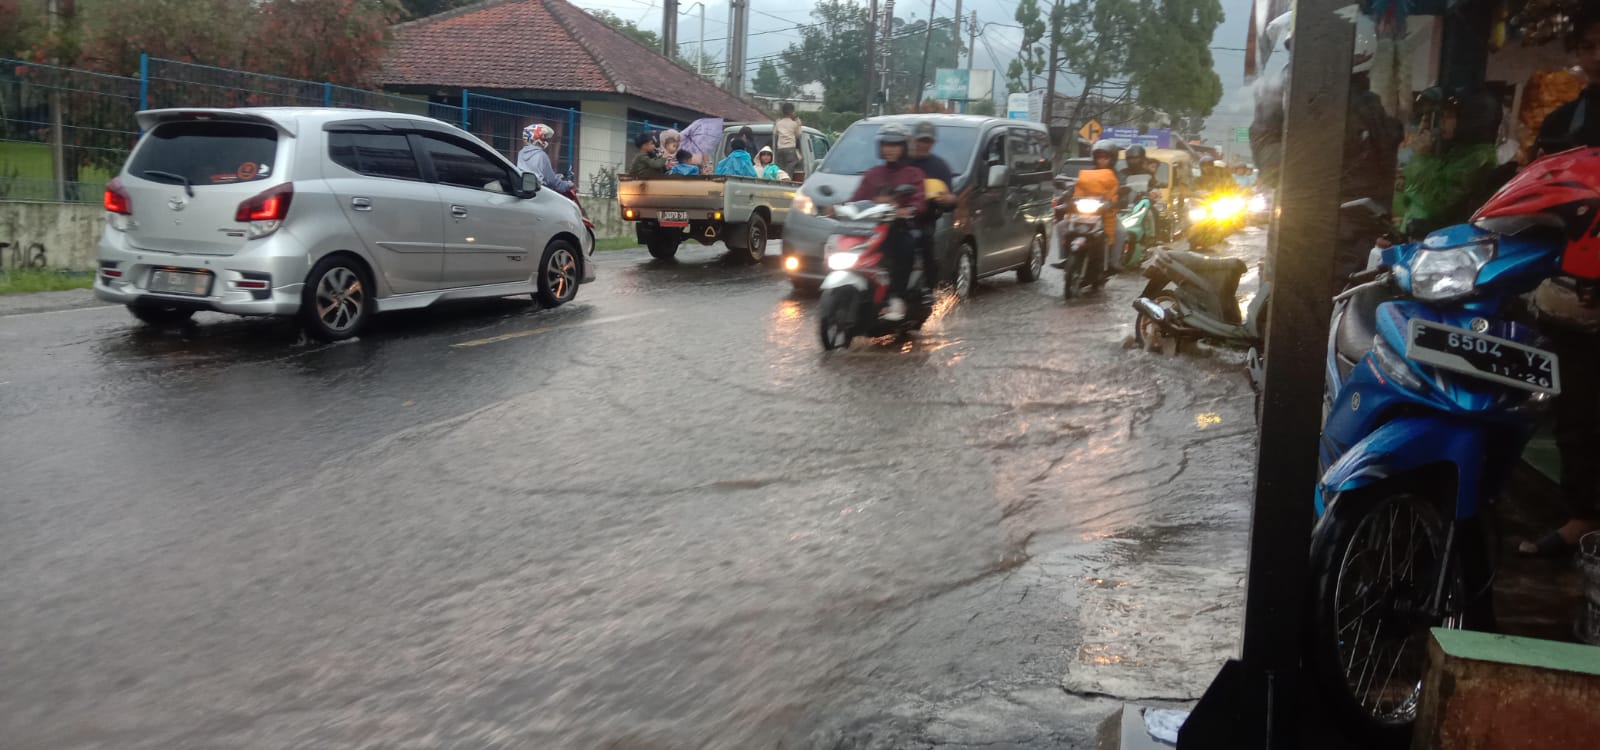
(804, 204)
(843, 261)
(1197, 214)
(1088, 205)
(1439, 275)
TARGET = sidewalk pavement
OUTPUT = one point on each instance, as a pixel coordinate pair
(38, 302)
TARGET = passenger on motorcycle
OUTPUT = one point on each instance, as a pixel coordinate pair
(924, 135)
(879, 184)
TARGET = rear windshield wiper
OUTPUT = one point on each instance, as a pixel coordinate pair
(188, 187)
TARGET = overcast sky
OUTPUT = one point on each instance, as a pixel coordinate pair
(772, 27)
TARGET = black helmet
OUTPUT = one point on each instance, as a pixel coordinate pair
(1135, 151)
(924, 130)
(893, 132)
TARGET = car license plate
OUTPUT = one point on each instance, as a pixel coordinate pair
(1488, 357)
(679, 216)
(179, 282)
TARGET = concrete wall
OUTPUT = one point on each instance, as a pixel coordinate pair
(607, 218)
(51, 235)
(602, 140)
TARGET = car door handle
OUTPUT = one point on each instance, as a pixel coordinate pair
(361, 204)
(460, 212)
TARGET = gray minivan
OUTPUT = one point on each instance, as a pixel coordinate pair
(1003, 177)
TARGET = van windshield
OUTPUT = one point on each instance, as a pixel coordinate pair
(857, 150)
(207, 153)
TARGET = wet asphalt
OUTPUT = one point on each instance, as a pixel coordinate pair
(657, 517)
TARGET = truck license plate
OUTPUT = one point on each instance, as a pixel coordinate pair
(680, 217)
(1488, 357)
(179, 282)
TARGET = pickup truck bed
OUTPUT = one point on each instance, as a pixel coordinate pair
(743, 212)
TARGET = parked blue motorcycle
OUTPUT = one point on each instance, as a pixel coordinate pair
(1434, 387)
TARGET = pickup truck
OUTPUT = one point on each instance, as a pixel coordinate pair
(741, 212)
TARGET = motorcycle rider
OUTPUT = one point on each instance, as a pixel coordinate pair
(879, 184)
(1371, 142)
(1105, 158)
(533, 159)
(1139, 163)
(923, 137)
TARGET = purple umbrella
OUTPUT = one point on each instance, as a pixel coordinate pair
(702, 136)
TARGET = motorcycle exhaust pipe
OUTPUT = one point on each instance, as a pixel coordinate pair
(1150, 309)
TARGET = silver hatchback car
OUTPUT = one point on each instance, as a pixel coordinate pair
(331, 215)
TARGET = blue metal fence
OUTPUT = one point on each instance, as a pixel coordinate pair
(64, 131)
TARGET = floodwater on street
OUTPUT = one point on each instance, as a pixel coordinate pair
(658, 517)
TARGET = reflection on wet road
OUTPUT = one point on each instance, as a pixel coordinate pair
(658, 517)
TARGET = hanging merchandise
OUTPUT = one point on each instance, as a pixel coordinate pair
(1545, 92)
(1544, 21)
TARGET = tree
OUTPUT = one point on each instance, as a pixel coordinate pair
(769, 82)
(424, 8)
(908, 48)
(21, 26)
(645, 37)
(1170, 62)
(339, 41)
(832, 52)
(1032, 57)
(213, 32)
(982, 107)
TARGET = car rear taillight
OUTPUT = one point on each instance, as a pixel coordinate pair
(271, 205)
(116, 200)
(265, 212)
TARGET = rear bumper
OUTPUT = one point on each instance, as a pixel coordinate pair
(284, 269)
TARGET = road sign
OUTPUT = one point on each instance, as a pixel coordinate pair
(952, 83)
(1241, 135)
(1091, 131)
(1150, 138)
(1017, 106)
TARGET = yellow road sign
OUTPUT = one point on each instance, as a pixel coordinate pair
(1091, 131)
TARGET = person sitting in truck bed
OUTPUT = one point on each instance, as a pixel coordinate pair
(738, 162)
(647, 163)
(686, 166)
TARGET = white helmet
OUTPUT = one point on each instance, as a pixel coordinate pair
(538, 134)
(1282, 29)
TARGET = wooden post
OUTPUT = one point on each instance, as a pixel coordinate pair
(1256, 702)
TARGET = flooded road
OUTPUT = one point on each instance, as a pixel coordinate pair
(659, 517)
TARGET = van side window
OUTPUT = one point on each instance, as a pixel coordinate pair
(819, 147)
(995, 152)
(1043, 150)
(374, 154)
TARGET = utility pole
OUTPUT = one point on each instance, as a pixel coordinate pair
(972, 40)
(57, 9)
(955, 36)
(1047, 112)
(669, 28)
(927, 41)
(887, 54)
(738, 30)
(872, 60)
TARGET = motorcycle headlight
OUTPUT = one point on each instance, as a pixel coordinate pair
(804, 204)
(1088, 205)
(1258, 203)
(1440, 275)
(1197, 213)
(1228, 207)
(843, 261)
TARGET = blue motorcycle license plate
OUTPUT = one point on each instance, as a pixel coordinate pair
(1488, 357)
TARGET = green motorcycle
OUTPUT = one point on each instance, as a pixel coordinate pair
(1136, 224)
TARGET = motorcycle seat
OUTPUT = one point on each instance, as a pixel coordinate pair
(1357, 327)
(1207, 264)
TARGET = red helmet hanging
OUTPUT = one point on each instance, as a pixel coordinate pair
(1561, 188)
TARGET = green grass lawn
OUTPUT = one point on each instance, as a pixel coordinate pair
(616, 243)
(26, 172)
(42, 280)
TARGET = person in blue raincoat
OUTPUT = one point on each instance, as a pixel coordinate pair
(738, 162)
(533, 159)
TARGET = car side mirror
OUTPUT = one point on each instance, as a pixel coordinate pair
(531, 183)
(999, 175)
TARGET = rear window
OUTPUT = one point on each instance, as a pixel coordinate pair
(857, 150)
(207, 153)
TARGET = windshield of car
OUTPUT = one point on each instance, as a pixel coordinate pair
(207, 153)
(857, 150)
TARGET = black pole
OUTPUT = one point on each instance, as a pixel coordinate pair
(927, 41)
(1257, 700)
